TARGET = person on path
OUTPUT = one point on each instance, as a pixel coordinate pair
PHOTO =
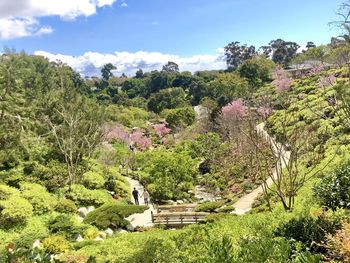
(146, 197)
(135, 194)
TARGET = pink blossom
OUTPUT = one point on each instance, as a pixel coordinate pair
(282, 81)
(161, 129)
(264, 111)
(234, 111)
(141, 141)
(327, 81)
(117, 132)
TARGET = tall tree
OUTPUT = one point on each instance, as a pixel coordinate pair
(283, 51)
(106, 71)
(236, 54)
(171, 67)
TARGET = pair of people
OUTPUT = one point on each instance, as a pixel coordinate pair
(136, 196)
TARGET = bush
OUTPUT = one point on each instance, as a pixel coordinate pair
(209, 206)
(310, 231)
(7, 191)
(35, 230)
(56, 244)
(112, 215)
(91, 233)
(92, 180)
(37, 195)
(65, 225)
(339, 243)
(15, 210)
(65, 206)
(333, 191)
(83, 196)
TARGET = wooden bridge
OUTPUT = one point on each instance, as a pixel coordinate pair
(178, 215)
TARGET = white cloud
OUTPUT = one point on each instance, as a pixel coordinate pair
(155, 23)
(21, 27)
(124, 4)
(18, 18)
(91, 62)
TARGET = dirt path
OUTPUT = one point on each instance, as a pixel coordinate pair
(245, 203)
(144, 219)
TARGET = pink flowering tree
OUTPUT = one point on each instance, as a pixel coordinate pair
(236, 110)
(231, 116)
(282, 81)
(161, 130)
(117, 132)
(264, 111)
(140, 140)
(327, 81)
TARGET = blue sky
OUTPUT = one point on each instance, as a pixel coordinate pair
(183, 28)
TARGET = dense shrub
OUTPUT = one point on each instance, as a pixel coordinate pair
(35, 230)
(65, 225)
(7, 191)
(339, 244)
(112, 215)
(83, 196)
(15, 210)
(311, 231)
(209, 206)
(37, 195)
(56, 244)
(92, 180)
(65, 206)
(333, 191)
(116, 183)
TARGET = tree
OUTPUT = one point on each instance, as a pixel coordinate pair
(310, 44)
(257, 70)
(135, 87)
(282, 52)
(106, 71)
(236, 54)
(139, 74)
(75, 126)
(167, 99)
(228, 86)
(181, 117)
(171, 67)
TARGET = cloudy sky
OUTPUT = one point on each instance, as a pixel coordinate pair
(132, 34)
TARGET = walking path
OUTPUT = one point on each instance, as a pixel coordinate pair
(245, 203)
(242, 206)
(144, 219)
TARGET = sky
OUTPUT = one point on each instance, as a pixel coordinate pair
(132, 34)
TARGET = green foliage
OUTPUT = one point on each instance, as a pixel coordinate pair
(311, 231)
(112, 215)
(333, 190)
(209, 206)
(66, 206)
(258, 70)
(93, 180)
(7, 191)
(56, 244)
(37, 195)
(65, 225)
(181, 117)
(167, 99)
(15, 211)
(167, 174)
(221, 251)
(83, 196)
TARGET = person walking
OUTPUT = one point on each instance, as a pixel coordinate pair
(146, 197)
(135, 194)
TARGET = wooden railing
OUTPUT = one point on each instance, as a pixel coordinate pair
(176, 208)
(179, 218)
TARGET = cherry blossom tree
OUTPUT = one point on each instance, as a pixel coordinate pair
(117, 132)
(140, 140)
(264, 111)
(327, 81)
(282, 81)
(161, 129)
(235, 110)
